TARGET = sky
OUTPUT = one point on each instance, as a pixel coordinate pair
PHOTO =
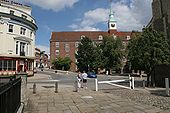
(85, 15)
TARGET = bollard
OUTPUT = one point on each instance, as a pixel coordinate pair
(76, 86)
(143, 84)
(132, 84)
(56, 87)
(34, 88)
(167, 86)
(96, 84)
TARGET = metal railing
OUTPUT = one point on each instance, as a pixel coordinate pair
(10, 96)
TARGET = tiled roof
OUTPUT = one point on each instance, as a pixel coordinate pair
(76, 35)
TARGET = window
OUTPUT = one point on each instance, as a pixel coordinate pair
(17, 47)
(128, 37)
(23, 16)
(67, 55)
(82, 36)
(100, 37)
(29, 66)
(31, 34)
(76, 44)
(1, 65)
(10, 28)
(22, 31)
(9, 65)
(11, 12)
(14, 65)
(22, 46)
(57, 52)
(57, 44)
(26, 49)
(5, 65)
(67, 47)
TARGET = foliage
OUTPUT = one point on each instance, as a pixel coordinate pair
(85, 54)
(112, 51)
(147, 50)
(62, 63)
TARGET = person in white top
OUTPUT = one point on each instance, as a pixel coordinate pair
(84, 76)
(79, 79)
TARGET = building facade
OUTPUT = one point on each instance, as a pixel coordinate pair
(65, 44)
(17, 37)
(161, 16)
(37, 57)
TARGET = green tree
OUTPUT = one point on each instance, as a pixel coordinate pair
(62, 63)
(112, 52)
(147, 50)
(85, 55)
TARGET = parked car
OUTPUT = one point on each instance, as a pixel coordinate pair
(91, 75)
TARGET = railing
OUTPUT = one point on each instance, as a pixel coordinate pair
(10, 96)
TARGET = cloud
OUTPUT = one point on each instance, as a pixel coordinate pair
(55, 5)
(90, 19)
(132, 15)
(44, 48)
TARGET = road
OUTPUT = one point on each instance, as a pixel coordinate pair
(70, 78)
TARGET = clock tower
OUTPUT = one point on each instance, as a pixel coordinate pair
(112, 23)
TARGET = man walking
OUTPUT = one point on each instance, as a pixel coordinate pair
(84, 76)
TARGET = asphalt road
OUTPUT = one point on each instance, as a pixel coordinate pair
(70, 78)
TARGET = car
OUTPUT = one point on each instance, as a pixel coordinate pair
(91, 75)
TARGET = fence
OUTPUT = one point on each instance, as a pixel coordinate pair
(113, 82)
(10, 96)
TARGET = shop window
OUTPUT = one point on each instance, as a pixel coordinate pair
(1, 65)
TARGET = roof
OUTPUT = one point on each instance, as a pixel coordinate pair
(73, 36)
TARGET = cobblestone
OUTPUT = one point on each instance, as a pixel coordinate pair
(145, 96)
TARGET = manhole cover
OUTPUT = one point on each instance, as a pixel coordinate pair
(88, 97)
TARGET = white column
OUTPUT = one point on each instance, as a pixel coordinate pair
(19, 48)
(96, 84)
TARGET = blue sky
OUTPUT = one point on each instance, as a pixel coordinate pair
(85, 15)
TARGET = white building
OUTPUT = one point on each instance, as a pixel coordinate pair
(17, 38)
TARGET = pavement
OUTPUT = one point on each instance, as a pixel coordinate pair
(45, 100)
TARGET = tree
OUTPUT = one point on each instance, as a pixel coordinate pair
(147, 50)
(85, 55)
(112, 52)
(62, 63)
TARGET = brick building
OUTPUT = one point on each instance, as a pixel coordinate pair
(161, 16)
(64, 44)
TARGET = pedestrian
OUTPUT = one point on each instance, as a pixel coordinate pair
(84, 76)
(79, 79)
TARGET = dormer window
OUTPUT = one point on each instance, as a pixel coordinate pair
(82, 36)
(76, 44)
(128, 37)
(100, 37)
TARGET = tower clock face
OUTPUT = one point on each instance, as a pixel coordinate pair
(112, 25)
